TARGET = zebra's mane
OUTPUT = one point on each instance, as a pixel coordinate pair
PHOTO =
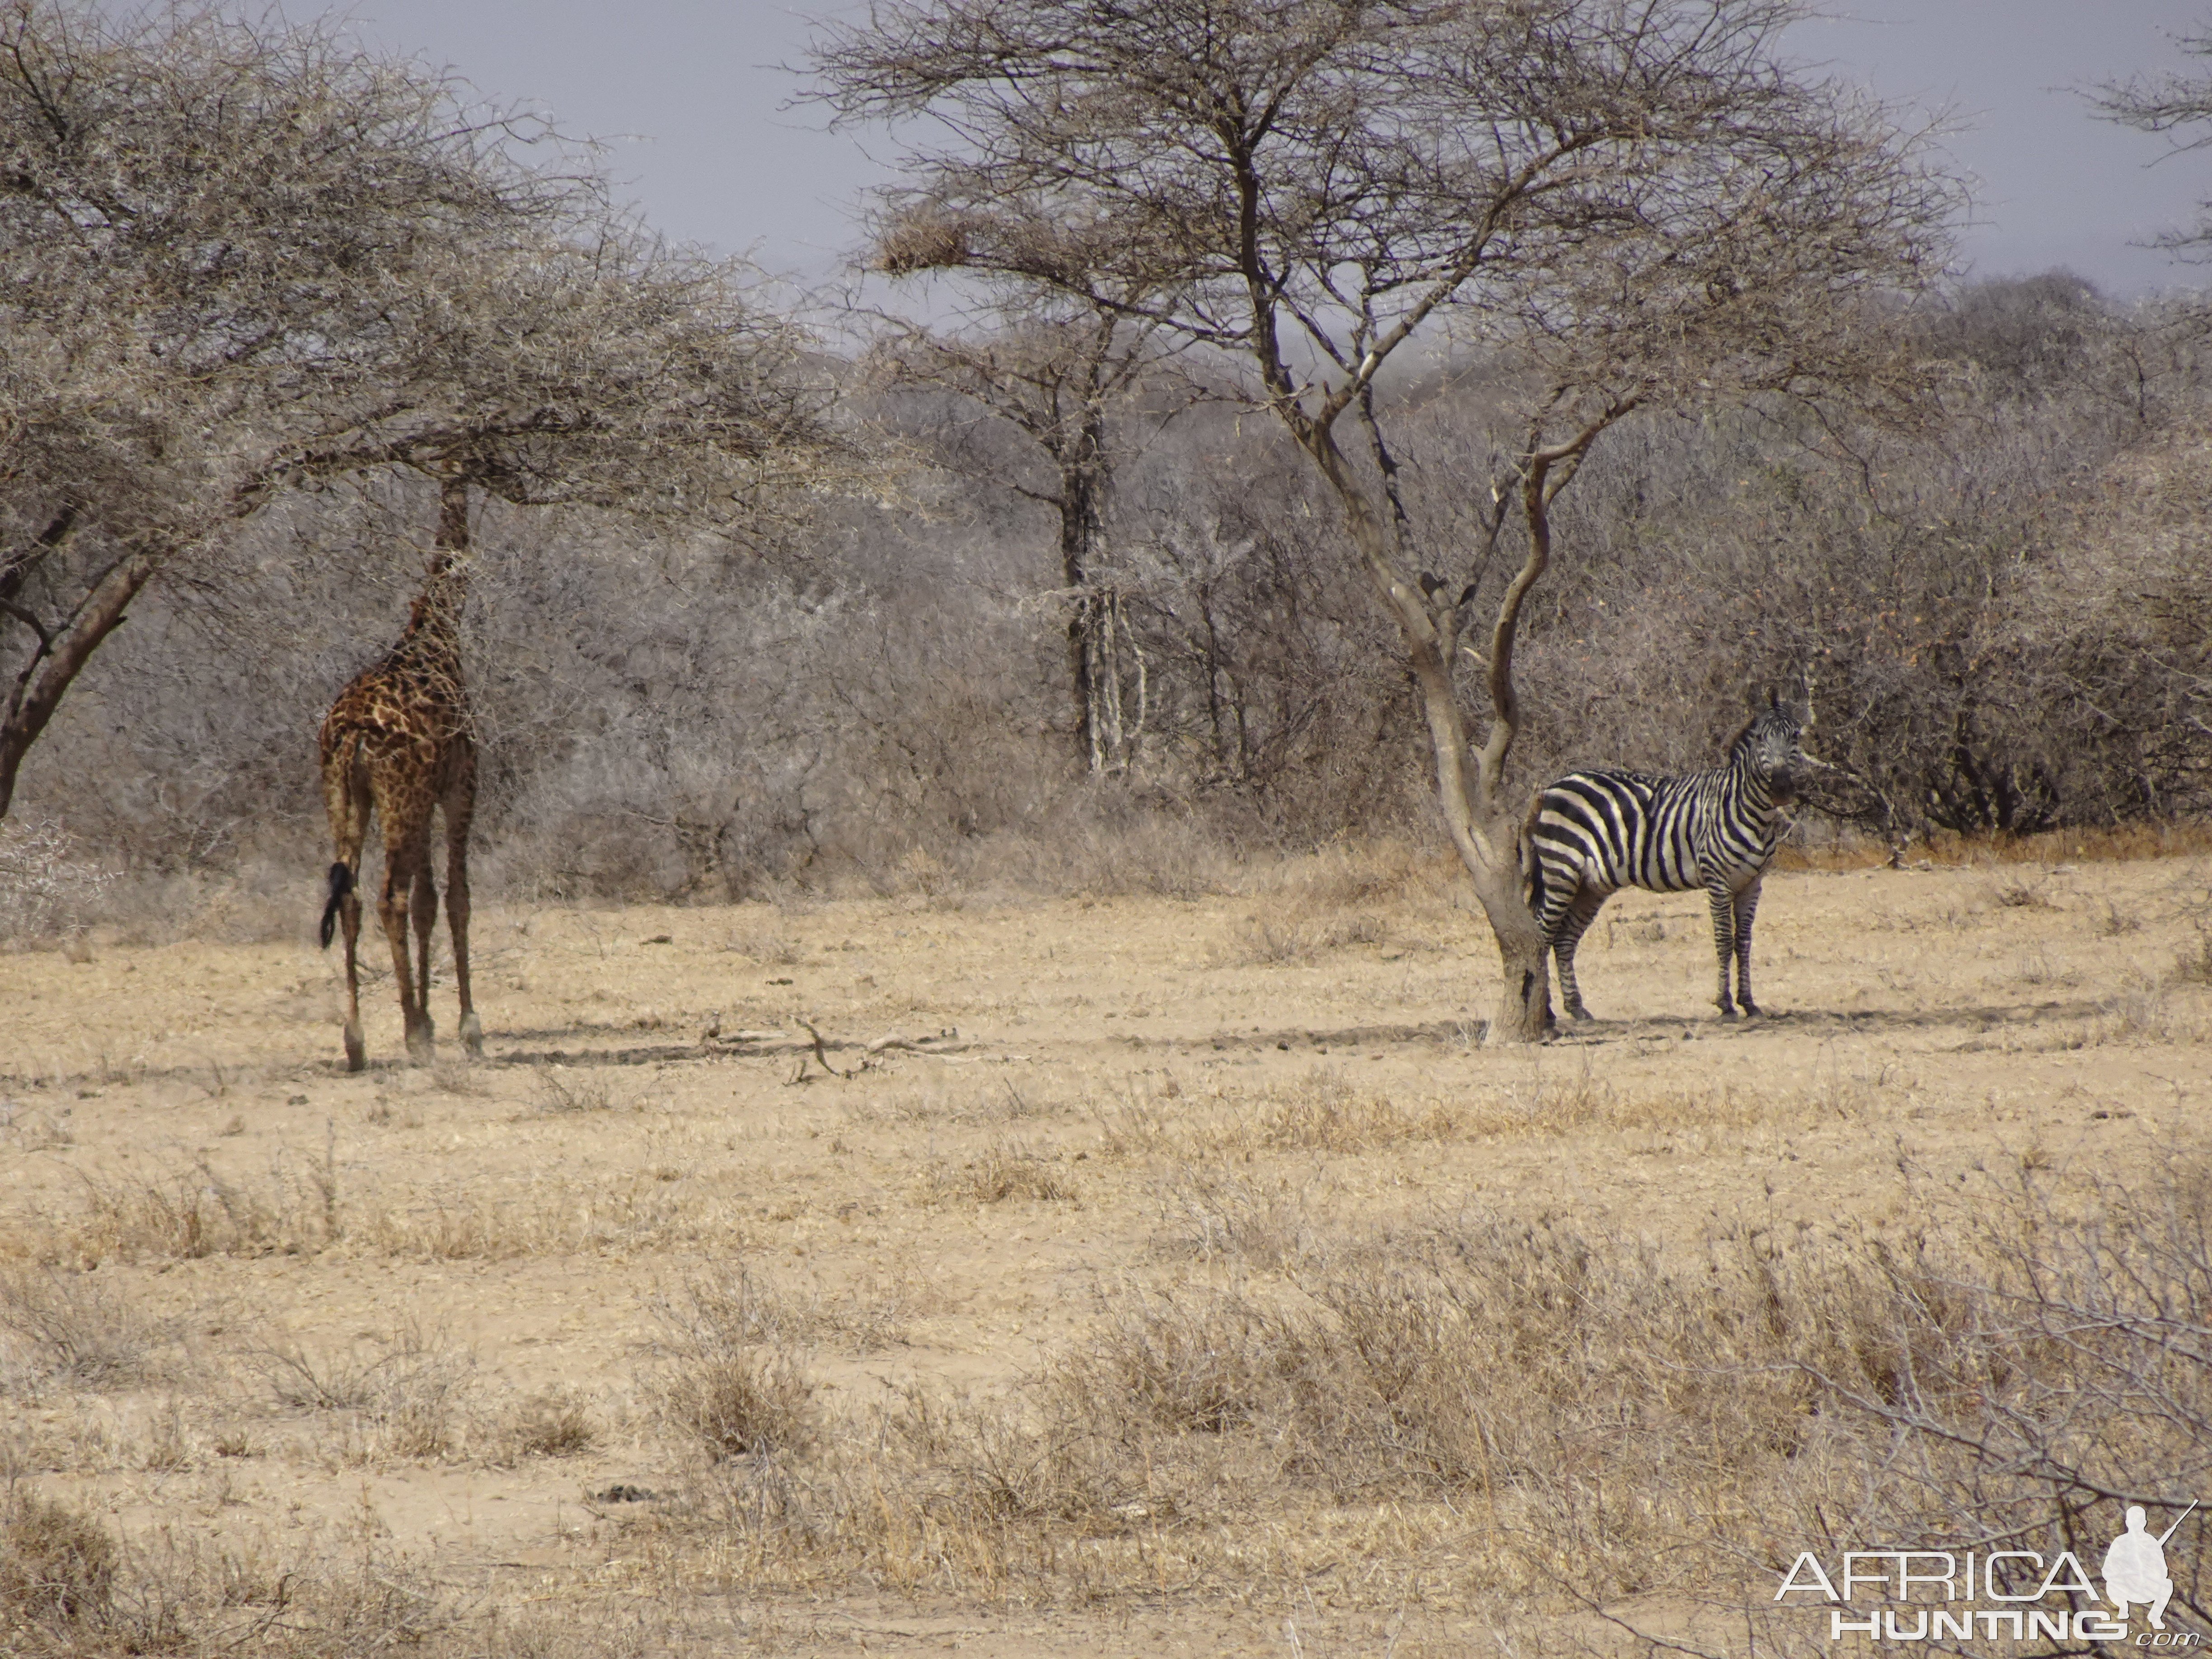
(1736, 738)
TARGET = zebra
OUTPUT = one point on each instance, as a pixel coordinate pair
(1593, 833)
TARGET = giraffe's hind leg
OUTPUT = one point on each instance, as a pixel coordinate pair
(405, 851)
(460, 809)
(423, 912)
(357, 1051)
(346, 796)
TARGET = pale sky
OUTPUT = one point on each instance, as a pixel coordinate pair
(690, 95)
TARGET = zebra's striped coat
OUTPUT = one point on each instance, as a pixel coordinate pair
(1594, 833)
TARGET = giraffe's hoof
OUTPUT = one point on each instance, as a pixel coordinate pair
(421, 1044)
(473, 1036)
(356, 1052)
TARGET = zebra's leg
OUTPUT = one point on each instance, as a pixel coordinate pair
(1747, 906)
(1723, 903)
(1572, 925)
(1556, 893)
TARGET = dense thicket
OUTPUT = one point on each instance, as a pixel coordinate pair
(2004, 626)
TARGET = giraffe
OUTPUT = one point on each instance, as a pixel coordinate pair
(397, 742)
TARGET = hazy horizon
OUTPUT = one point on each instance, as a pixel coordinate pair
(692, 102)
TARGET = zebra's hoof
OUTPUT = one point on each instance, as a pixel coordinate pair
(1752, 1010)
(1728, 1011)
(1578, 1013)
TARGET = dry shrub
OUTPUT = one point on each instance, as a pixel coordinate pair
(196, 1212)
(1186, 1363)
(739, 1403)
(1573, 1418)
(733, 1305)
(724, 1386)
(46, 889)
(1003, 1170)
(975, 1466)
(2024, 892)
(1209, 1212)
(1362, 875)
(1268, 942)
(2139, 1013)
(768, 949)
(2116, 923)
(553, 1424)
(67, 1589)
(2193, 966)
(1263, 942)
(1319, 1112)
(1324, 1114)
(81, 1326)
(57, 1564)
(404, 1393)
(561, 1090)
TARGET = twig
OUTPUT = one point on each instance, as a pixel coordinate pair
(821, 1053)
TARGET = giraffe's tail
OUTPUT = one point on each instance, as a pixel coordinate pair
(341, 884)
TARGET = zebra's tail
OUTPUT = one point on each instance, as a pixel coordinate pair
(341, 884)
(1532, 865)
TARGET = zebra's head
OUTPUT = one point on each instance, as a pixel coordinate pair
(1772, 746)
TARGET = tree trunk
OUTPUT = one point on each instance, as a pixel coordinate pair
(1485, 833)
(1082, 625)
(61, 655)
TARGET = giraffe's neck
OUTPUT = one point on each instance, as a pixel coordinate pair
(432, 638)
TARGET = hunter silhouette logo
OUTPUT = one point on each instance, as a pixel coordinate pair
(1944, 1596)
(2135, 1566)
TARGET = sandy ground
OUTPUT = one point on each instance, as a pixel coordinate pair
(522, 1226)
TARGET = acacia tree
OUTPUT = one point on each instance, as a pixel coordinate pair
(237, 259)
(1633, 202)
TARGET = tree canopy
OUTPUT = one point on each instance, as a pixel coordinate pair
(1631, 203)
(242, 258)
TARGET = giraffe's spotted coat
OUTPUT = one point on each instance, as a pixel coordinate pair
(398, 743)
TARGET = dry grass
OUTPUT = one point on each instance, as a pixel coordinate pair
(69, 1590)
(196, 1212)
(553, 1424)
(1324, 1112)
(560, 1089)
(734, 1306)
(403, 1393)
(57, 1565)
(81, 1328)
(1003, 1171)
(1079, 1324)
(1566, 1415)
